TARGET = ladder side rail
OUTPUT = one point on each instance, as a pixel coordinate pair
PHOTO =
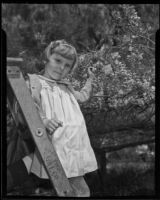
(47, 152)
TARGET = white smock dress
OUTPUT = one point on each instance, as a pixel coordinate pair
(71, 141)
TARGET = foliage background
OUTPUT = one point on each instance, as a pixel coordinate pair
(117, 40)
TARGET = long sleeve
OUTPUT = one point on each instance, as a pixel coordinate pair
(84, 94)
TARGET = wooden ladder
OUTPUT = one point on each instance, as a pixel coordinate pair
(17, 88)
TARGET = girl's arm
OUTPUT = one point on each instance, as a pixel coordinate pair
(86, 91)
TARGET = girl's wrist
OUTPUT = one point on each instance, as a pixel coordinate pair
(91, 78)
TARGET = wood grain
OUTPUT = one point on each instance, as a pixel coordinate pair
(48, 154)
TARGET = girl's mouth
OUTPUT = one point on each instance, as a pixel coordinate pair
(57, 72)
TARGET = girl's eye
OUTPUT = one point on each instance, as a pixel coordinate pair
(58, 61)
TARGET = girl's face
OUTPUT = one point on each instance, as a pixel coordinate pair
(58, 67)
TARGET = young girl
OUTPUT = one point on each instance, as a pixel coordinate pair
(59, 109)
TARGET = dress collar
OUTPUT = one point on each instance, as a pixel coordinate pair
(65, 82)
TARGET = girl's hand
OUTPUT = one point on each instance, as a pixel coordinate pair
(52, 125)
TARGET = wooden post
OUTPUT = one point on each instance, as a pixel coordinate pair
(17, 86)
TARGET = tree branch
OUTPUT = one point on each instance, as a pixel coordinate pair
(122, 139)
